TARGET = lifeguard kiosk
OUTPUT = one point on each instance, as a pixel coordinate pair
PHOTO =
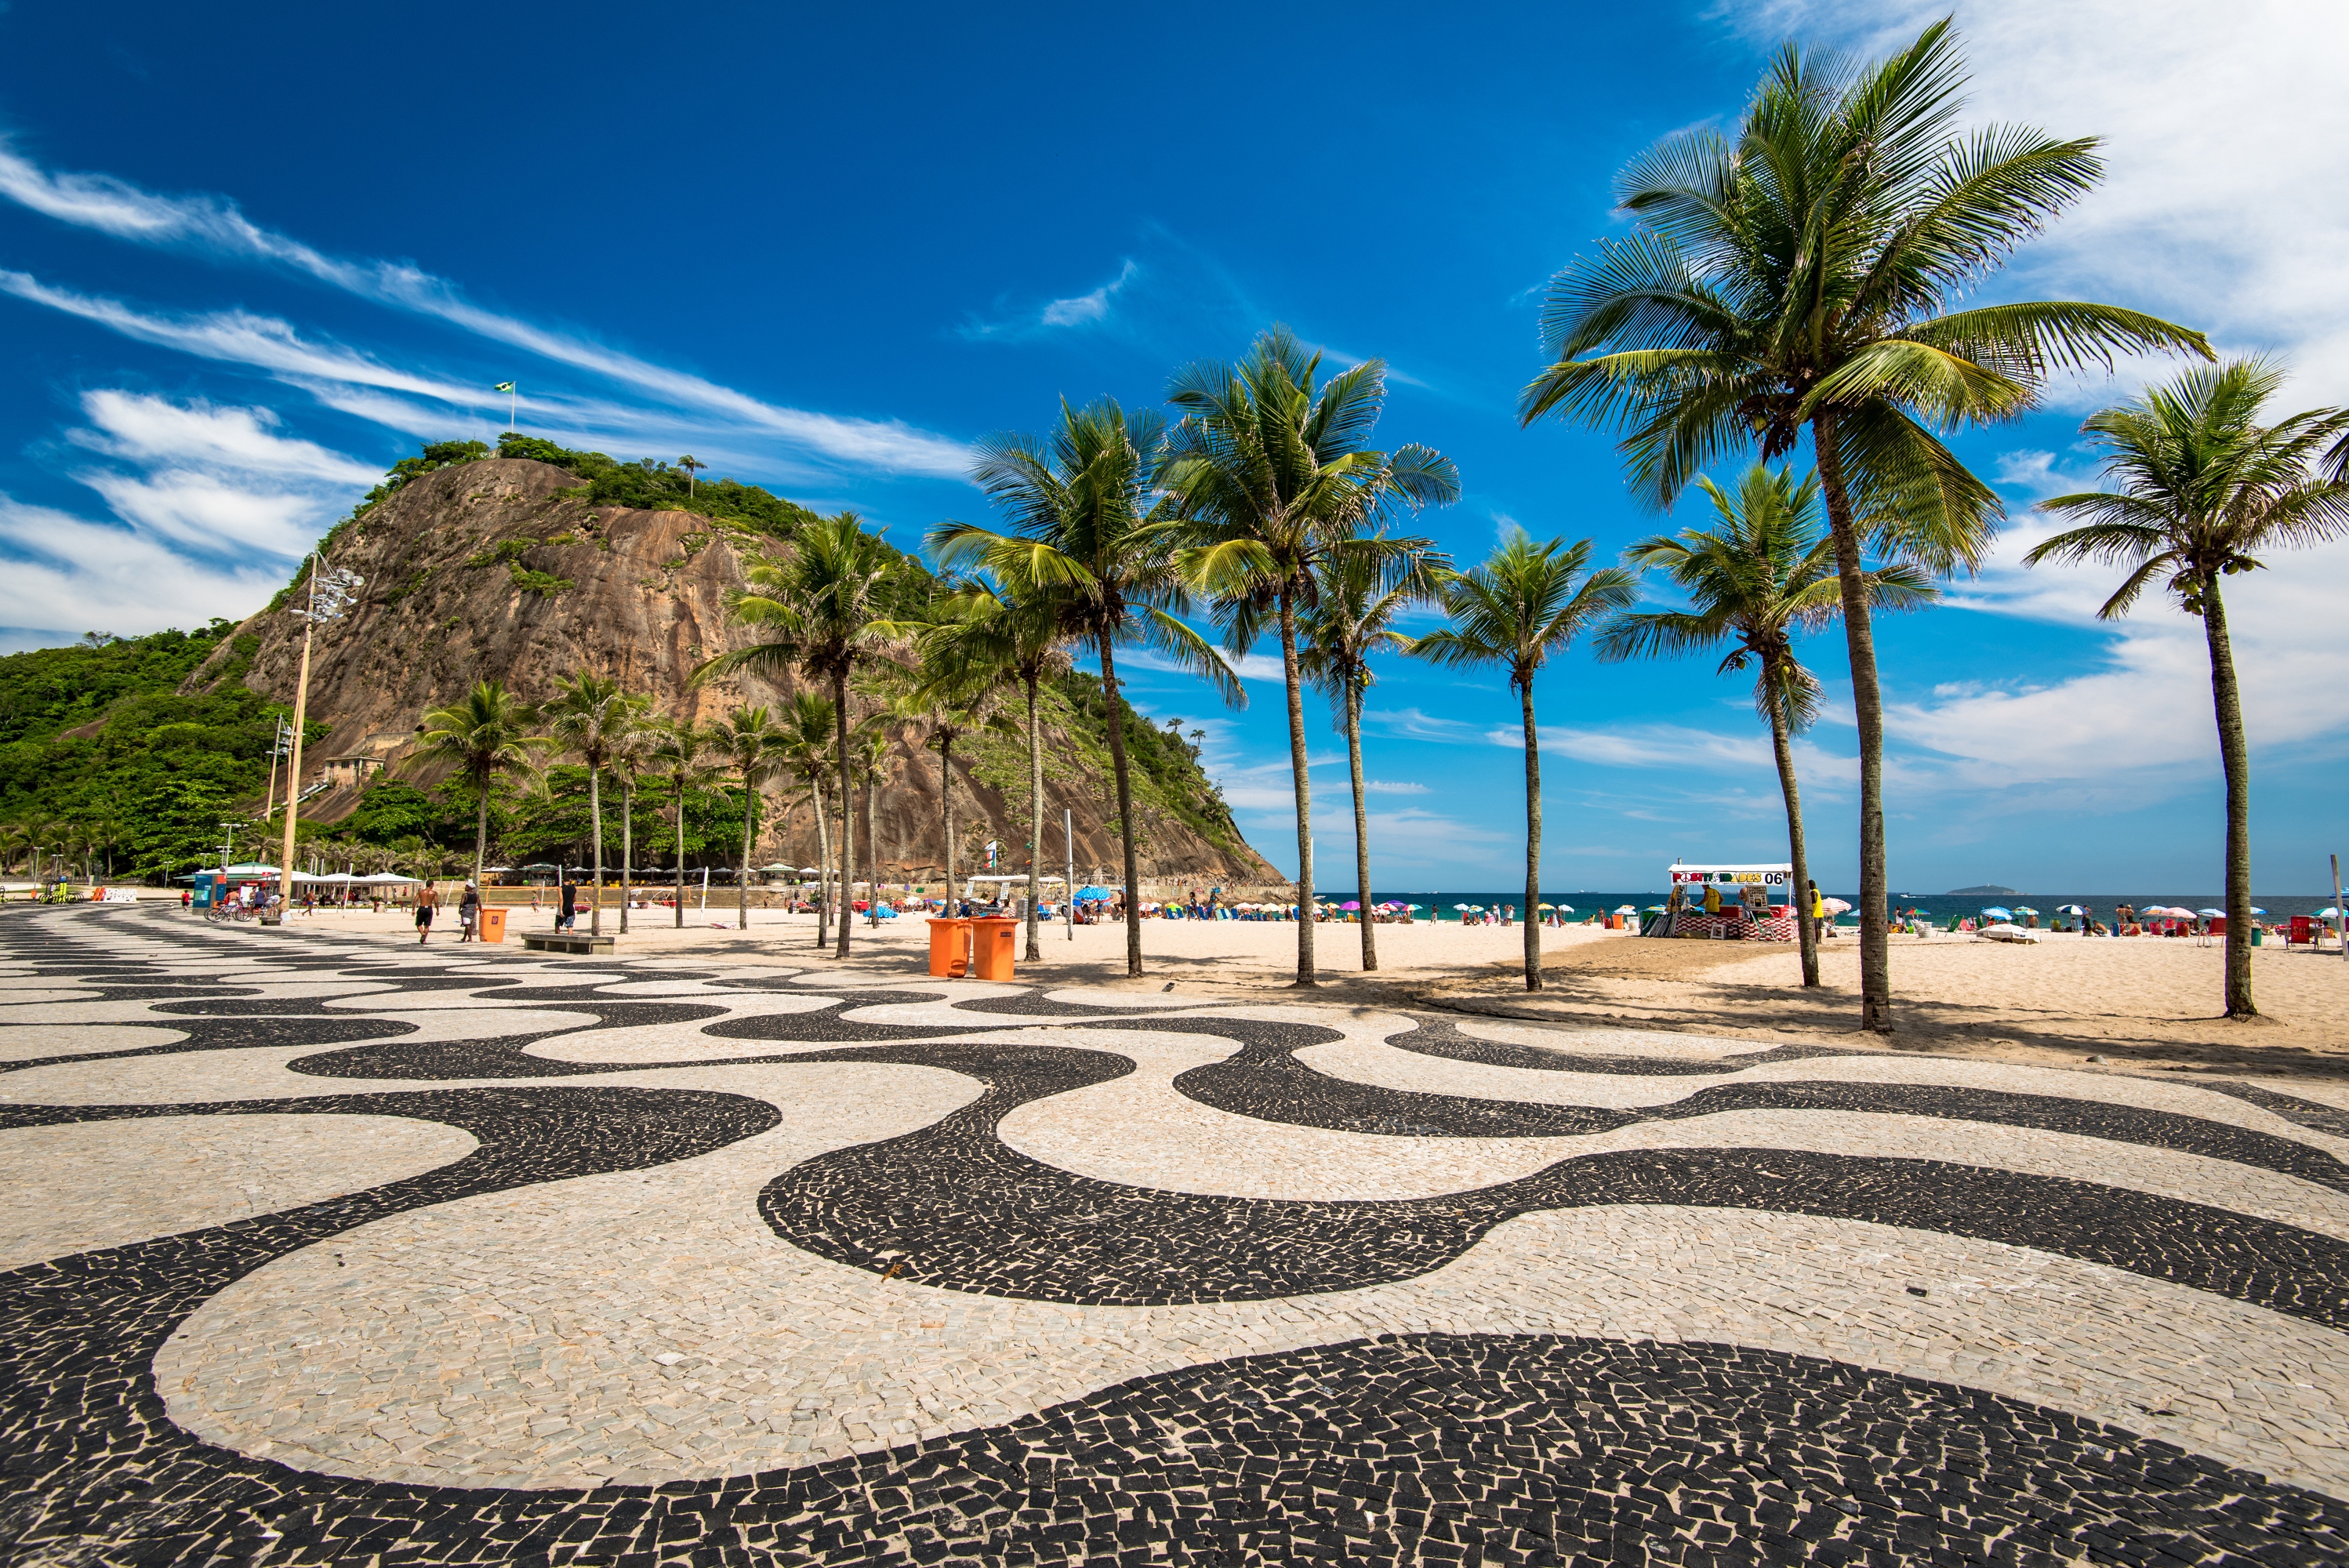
(1744, 916)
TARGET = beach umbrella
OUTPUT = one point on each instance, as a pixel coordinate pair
(1351, 905)
(1565, 909)
(1651, 909)
(1834, 906)
(2024, 909)
(1464, 907)
(2002, 913)
(2211, 914)
(2070, 908)
(1411, 906)
(2257, 909)
(1546, 906)
(1626, 909)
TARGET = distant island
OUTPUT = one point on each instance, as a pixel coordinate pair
(1977, 892)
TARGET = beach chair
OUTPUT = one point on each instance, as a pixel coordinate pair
(2301, 935)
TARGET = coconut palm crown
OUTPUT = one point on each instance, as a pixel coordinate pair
(1805, 276)
(1525, 603)
(487, 734)
(1360, 594)
(1270, 470)
(819, 607)
(1086, 529)
(1763, 574)
(2201, 490)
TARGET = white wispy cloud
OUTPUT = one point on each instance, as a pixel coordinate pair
(69, 576)
(1088, 309)
(210, 505)
(1092, 306)
(215, 226)
(155, 429)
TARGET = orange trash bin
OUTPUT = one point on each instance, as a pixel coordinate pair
(493, 924)
(992, 945)
(950, 948)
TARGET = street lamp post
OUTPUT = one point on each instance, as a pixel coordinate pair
(339, 586)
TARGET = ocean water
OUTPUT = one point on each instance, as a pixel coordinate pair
(1938, 907)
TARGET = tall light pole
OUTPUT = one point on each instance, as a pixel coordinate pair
(339, 587)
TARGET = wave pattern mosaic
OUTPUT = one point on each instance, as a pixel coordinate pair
(325, 1252)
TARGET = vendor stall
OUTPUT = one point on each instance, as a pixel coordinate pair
(1714, 902)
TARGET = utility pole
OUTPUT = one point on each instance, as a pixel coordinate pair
(1068, 887)
(337, 590)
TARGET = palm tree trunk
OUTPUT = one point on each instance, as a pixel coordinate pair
(873, 844)
(627, 847)
(823, 865)
(742, 874)
(1782, 747)
(1361, 829)
(1867, 704)
(1533, 838)
(680, 851)
(1035, 818)
(1304, 791)
(481, 831)
(1113, 708)
(2228, 703)
(945, 804)
(847, 810)
(595, 825)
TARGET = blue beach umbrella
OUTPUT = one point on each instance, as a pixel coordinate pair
(2002, 913)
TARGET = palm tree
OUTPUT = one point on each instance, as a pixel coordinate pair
(1270, 475)
(1086, 531)
(1527, 601)
(808, 746)
(1764, 572)
(820, 605)
(692, 467)
(678, 747)
(1796, 277)
(1357, 598)
(13, 842)
(998, 631)
(753, 742)
(487, 734)
(871, 741)
(2201, 489)
(591, 715)
(953, 695)
(631, 758)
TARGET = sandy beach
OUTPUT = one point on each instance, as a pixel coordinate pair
(2142, 1002)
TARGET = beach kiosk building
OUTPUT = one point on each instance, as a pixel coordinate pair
(1757, 901)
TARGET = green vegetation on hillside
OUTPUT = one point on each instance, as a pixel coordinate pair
(102, 753)
(98, 751)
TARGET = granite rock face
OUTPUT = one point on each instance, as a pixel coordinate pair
(460, 568)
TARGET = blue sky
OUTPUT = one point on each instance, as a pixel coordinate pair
(244, 266)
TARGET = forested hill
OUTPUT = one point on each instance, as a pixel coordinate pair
(523, 565)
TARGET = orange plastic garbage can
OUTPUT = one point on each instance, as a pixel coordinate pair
(950, 948)
(493, 924)
(991, 948)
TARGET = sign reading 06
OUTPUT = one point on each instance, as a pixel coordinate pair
(1733, 876)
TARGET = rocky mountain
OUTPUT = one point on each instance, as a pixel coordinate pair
(509, 569)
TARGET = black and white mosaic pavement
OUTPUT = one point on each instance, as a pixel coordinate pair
(741, 1261)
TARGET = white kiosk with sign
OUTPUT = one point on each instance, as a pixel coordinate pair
(1755, 902)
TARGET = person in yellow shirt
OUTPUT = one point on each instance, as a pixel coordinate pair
(1712, 899)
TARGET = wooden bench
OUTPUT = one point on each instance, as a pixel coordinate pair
(567, 942)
